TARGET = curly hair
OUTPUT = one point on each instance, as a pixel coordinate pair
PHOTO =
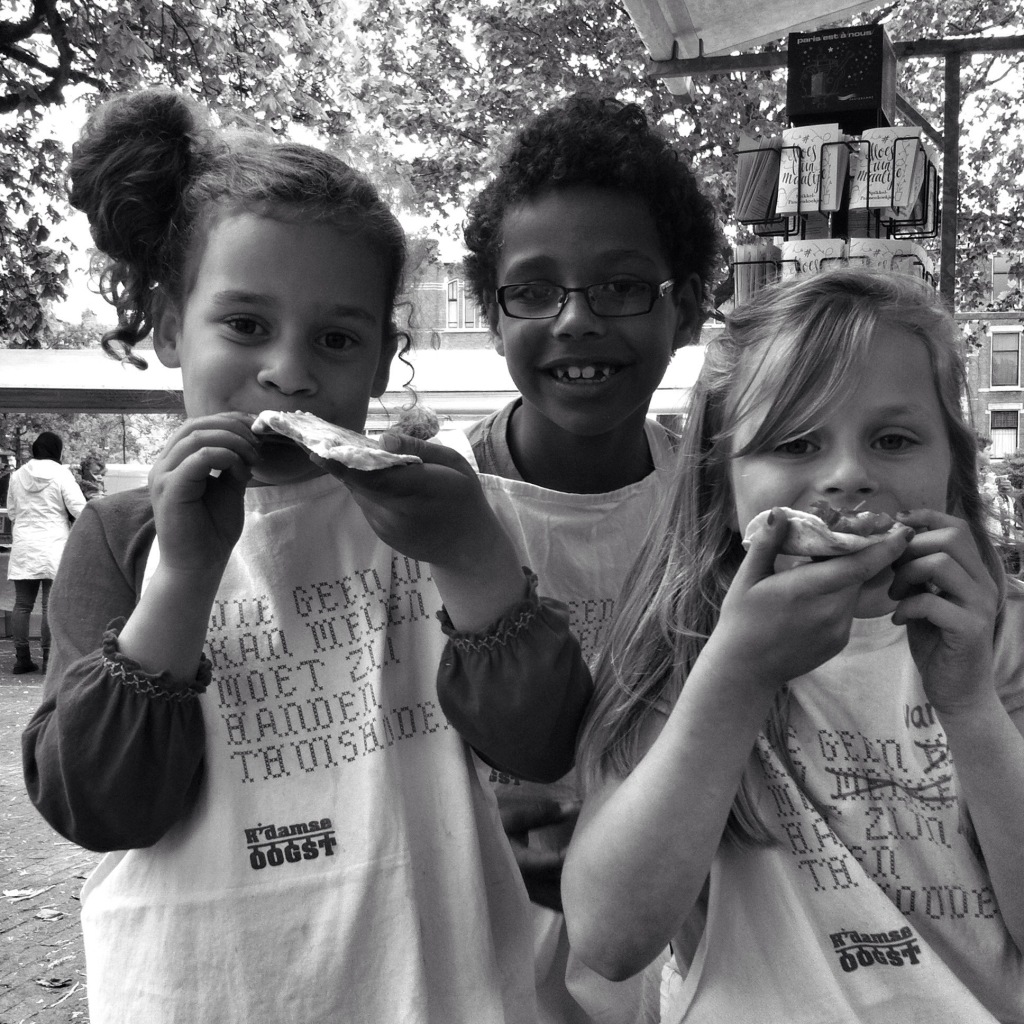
(153, 174)
(590, 141)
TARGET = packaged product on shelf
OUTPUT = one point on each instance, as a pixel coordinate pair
(757, 178)
(755, 265)
(812, 169)
(806, 255)
(887, 169)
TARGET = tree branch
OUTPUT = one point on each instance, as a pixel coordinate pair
(53, 92)
(196, 56)
(16, 31)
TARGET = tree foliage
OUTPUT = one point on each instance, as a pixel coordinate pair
(455, 77)
(283, 62)
(449, 81)
(420, 93)
(133, 437)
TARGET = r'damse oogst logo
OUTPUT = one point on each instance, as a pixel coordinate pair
(876, 949)
(274, 845)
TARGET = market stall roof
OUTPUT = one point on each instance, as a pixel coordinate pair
(695, 28)
(460, 383)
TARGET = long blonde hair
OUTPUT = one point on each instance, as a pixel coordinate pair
(793, 351)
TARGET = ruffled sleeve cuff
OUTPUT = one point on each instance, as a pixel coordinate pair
(517, 692)
(113, 757)
(160, 686)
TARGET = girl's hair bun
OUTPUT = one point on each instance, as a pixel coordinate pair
(130, 168)
(152, 170)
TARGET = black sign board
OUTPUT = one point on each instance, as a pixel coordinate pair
(844, 74)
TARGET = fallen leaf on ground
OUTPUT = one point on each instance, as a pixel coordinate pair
(53, 982)
(16, 895)
(50, 914)
(67, 995)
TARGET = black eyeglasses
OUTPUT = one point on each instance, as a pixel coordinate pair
(541, 300)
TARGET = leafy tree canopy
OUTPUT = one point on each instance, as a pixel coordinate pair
(420, 93)
(284, 63)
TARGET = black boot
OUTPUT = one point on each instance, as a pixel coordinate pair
(46, 657)
(23, 661)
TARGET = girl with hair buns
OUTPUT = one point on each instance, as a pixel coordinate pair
(245, 706)
(808, 776)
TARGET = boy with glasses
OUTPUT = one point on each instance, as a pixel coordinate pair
(591, 253)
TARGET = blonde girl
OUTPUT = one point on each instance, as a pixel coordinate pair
(807, 776)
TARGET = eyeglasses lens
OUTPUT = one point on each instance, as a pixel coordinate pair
(620, 298)
(540, 301)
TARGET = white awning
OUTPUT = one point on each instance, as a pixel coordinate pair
(724, 26)
(460, 384)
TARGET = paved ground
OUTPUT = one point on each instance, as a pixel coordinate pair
(42, 967)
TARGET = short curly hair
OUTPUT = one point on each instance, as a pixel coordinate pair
(602, 143)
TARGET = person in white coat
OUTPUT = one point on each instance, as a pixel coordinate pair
(43, 500)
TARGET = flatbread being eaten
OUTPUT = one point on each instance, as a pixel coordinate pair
(329, 441)
(831, 532)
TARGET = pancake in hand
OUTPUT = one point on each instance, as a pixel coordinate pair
(826, 531)
(329, 441)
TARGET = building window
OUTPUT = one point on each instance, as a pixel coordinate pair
(453, 303)
(1006, 359)
(1003, 426)
(463, 312)
(1005, 275)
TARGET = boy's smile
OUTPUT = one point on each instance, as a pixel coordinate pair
(579, 373)
(587, 374)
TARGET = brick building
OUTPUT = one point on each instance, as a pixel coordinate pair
(995, 372)
(443, 314)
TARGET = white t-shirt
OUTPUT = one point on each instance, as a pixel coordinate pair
(345, 861)
(581, 546)
(877, 910)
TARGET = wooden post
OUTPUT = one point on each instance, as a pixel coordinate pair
(950, 178)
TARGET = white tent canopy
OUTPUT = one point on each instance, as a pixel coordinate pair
(459, 384)
(694, 28)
